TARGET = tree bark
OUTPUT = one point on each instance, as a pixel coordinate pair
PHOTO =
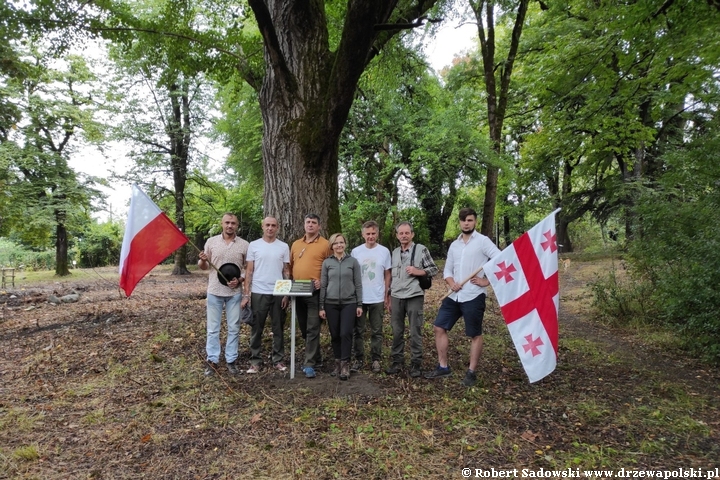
(305, 98)
(61, 246)
(180, 135)
(496, 101)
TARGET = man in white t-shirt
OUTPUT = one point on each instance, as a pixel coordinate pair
(374, 262)
(268, 260)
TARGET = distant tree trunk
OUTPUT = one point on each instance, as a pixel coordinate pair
(180, 135)
(386, 192)
(61, 246)
(437, 207)
(305, 96)
(563, 236)
(496, 101)
(563, 222)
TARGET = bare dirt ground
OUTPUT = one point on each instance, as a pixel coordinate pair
(113, 388)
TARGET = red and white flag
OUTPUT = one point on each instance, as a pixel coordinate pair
(524, 278)
(150, 236)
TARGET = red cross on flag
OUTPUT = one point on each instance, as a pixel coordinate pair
(524, 278)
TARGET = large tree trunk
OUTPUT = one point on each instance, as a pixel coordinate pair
(496, 101)
(305, 98)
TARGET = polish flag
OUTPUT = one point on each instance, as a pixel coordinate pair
(524, 278)
(150, 236)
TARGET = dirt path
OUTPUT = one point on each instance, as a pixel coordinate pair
(576, 321)
(113, 388)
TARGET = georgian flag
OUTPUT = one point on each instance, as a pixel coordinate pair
(150, 236)
(524, 278)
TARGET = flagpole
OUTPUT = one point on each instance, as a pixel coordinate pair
(210, 263)
(470, 277)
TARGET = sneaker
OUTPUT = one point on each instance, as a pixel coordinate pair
(356, 366)
(210, 368)
(470, 378)
(415, 370)
(253, 369)
(280, 367)
(376, 366)
(309, 372)
(394, 368)
(439, 372)
(232, 368)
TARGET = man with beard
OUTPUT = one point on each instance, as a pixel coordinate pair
(223, 249)
(468, 253)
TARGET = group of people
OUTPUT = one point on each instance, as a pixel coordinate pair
(349, 291)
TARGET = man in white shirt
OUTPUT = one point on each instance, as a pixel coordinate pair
(268, 260)
(469, 252)
(374, 262)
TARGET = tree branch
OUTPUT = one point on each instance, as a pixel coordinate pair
(273, 53)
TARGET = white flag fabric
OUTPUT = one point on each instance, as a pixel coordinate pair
(524, 278)
(150, 236)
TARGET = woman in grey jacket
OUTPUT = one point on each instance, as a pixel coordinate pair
(340, 301)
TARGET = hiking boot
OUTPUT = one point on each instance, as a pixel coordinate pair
(394, 368)
(439, 372)
(210, 368)
(233, 368)
(356, 366)
(344, 370)
(336, 371)
(415, 370)
(376, 366)
(470, 378)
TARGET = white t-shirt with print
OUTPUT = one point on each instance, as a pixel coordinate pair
(373, 263)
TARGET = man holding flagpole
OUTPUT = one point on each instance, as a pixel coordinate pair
(223, 292)
(466, 255)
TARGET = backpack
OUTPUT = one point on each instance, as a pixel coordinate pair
(425, 281)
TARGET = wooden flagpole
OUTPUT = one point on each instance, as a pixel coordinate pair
(210, 263)
(470, 277)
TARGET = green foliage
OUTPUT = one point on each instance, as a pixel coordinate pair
(675, 263)
(245, 201)
(410, 141)
(678, 256)
(241, 130)
(44, 200)
(17, 256)
(99, 245)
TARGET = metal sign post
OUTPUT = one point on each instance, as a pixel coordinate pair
(293, 289)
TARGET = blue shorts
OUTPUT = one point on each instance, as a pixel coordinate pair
(472, 311)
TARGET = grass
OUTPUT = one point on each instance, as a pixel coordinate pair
(26, 453)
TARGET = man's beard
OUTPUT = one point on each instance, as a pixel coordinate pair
(468, 232)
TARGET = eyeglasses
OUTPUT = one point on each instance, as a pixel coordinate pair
(301, 252)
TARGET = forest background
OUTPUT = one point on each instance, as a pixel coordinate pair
(608, 110)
